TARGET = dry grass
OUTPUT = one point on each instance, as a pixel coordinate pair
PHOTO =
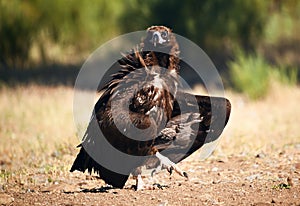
(37, 132)
(264, 125)
(35, 122)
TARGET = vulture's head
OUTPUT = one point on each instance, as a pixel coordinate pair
(161, 41)
(159, 35)
(160, 38)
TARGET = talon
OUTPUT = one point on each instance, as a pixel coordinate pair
(153, 172)
(185, 175)
(170, 165)
(170, 170)
(133, 187)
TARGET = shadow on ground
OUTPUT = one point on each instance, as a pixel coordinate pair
(65, 75)
(52, 75)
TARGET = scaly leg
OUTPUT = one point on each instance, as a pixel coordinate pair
(140, 184)
(170, 165)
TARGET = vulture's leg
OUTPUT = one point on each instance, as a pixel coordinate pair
(157, 169)
(170, 165)
(140, 184)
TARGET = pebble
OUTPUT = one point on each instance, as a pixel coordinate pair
(290, 181)
(216, 181)
(253, 177)
(260, 155)
(165, 203)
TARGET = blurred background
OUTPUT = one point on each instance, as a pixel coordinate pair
(249, 41)
(254, 44)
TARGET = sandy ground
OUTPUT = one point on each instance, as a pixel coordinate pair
(264, 179)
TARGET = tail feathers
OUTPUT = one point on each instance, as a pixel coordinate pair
(84, 162)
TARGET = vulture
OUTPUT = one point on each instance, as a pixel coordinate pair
(145, 114)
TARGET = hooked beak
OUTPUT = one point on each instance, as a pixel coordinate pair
(157, 39)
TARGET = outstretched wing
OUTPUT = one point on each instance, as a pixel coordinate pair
(187, 131)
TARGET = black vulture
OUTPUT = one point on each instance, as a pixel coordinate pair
(144, 112)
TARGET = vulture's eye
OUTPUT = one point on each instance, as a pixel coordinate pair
(159, 37)
(164, 34)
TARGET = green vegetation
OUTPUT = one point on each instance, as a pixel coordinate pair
(252, 74)
(4, 175)
(249, 74)
(282, 186)
(16, 32)
(37, 26)
(208, 23)
(287, 76)
(52, 30)
(39, 34)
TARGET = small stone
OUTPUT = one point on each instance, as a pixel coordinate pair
(222, 160)
(60, 187)
(165, 203)
(52, 188)
(260, 155)
(290, 181)
(216, 181)
(70, 188)
(297, 166)
(253, 177)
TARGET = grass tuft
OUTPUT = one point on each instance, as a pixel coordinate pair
(252, 75)
(249, 74)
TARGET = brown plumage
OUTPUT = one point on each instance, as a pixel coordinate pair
(139, 112)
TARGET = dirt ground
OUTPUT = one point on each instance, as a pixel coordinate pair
(264, 179)
(257, 161)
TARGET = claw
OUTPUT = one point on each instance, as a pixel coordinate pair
(153, 172)
(170, 165)
(170, 170)
(185, 174)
